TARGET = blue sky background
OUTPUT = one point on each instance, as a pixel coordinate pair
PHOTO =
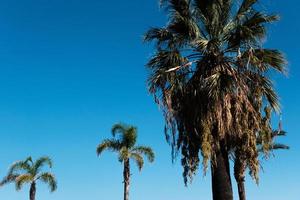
(70, 69)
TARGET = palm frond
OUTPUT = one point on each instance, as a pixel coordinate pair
(143, 150)
(138, 159)
(22, 179)
(49, 179)
(276, 133)
(108, 144)
(246, 7)
(9, 179)
(161, 35)
(20, 165)
(277, 146)
(41, 162)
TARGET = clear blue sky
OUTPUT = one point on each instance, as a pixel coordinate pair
(70, 69)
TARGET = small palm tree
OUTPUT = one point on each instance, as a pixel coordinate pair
(124, 145)
(29, 172)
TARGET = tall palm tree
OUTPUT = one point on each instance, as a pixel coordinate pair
(124, 143)
(265, 144)
(29, 172)
(209, 74)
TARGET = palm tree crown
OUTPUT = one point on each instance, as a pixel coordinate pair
(210, 76)
(28, 171)
(123, 143)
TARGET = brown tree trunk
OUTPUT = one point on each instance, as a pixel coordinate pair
(221, 181)
(241, 189)
(32, 191)
(126, 175)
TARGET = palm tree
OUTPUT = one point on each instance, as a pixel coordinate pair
(29, 172)
(125, 146)
(265, 143)
(209, 75)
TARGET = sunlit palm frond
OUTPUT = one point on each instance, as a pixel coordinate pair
(22, 179)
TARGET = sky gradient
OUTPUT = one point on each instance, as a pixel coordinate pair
(69, 69)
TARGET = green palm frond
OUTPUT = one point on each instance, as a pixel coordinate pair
(138, 159)
(41, 162)
(147, 151)
(22, 179)
(20, 166)
(108, 144)
(49, 179)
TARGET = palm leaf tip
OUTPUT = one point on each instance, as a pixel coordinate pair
(100, 149)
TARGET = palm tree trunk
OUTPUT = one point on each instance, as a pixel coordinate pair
(239, 174)
(32, 191)
(221, 181)
(241, 189)
(126, 175)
